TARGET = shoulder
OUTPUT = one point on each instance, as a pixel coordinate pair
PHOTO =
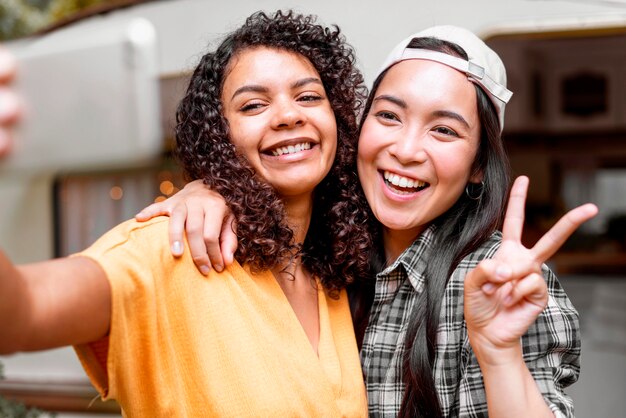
(152, 233)
(485, 250)
(132, 243)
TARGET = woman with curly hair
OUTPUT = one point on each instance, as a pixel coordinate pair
(268, 121)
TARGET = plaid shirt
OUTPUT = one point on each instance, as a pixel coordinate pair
(551, 345)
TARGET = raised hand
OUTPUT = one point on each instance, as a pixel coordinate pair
(10, 109)
(504, 295)
(209, 225)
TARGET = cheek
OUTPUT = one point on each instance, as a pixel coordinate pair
(363, 160)
(367, 147)
(244, 133)
(453, 167)
(331, 133)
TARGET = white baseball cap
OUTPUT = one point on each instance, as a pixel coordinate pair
(484, 67)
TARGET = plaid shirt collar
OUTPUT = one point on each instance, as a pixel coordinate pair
(412, 261)
(381, 354)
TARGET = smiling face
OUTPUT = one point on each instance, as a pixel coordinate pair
(280, 118)
(417, 147)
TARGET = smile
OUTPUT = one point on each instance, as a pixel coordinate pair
(403, 185)
(291, 149)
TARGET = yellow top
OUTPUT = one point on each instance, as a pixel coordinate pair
(185, 345)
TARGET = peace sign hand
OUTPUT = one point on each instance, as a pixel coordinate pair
(506, 294)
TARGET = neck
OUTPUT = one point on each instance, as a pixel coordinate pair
(396, 241)
(299, 211)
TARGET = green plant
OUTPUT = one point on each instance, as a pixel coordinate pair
(24, 17)
(12, 409)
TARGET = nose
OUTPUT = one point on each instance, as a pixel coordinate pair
(408, 148)
(287, 114)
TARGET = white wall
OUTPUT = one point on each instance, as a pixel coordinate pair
(372, 27)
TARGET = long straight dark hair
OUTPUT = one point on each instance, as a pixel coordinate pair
(460, 230)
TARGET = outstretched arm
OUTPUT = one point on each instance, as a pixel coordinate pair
(10, 108)
(209, 224)
(52, 304)
(503, 298)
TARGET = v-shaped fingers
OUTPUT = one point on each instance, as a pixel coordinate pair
(561, 231)
(514, 217)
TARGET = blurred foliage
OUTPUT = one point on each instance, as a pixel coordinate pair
(11, 409)
(20, 18)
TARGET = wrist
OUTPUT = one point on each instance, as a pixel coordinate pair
(496, 355)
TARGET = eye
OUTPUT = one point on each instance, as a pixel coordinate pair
(386, 115)
(446, 131)
(310, 97)
(251, 106)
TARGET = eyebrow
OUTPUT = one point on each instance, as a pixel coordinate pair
(438, 113)
(452, 115)
(393, 99)
(256, 88)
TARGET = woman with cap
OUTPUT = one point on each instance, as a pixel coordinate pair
(462, 320)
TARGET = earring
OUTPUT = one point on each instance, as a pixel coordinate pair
(474, 191)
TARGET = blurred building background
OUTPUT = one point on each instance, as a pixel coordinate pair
(565, 129)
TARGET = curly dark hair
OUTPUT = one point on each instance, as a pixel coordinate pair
(337, 243)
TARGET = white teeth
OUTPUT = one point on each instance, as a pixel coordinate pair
(402, 181)
(291, 149)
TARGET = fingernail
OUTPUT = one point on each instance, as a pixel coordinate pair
(503, 272)
(205, 269)
(177, 248)
(218, 267)
(488, 288)
(508, 299)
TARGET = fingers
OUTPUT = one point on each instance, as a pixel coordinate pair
(212, 233)
(228, 240)
(8, 65)
(488, 275)
(156, 209)
(176, 229)
(514, 217)
(531, 288)
(195, 237)
(491, 276)
(561, 231)
(166, 207)
(10, 106)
